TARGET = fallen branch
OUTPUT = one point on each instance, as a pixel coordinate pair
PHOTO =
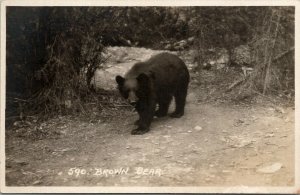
(20, 100)
(236, 83)
(283, 54)
(121, 105)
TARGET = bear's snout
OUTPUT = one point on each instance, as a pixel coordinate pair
(132, 98)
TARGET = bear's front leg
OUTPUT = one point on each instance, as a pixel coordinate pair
(139, 109)
(137, 122)
(142, 129)
(146, 116)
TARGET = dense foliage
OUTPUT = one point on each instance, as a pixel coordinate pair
(53, 52)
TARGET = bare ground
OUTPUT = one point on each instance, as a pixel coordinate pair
(211, 145)
(229, 146)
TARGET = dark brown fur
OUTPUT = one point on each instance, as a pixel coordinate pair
(158, 80)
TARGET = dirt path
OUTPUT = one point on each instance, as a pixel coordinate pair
(211, 145)
(227, 148)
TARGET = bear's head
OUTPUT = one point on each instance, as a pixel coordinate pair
(134, 89)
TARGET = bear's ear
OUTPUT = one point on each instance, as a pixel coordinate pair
(143, 78)
(120, 80)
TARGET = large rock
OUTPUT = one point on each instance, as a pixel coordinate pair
(119, 61)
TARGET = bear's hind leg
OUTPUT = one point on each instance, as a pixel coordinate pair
(180, 98)
(163, 103)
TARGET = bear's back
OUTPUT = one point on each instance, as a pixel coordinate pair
(158, 64)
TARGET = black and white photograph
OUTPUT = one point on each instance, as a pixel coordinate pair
(149, 97)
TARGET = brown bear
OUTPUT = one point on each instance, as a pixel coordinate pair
(153, 82)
